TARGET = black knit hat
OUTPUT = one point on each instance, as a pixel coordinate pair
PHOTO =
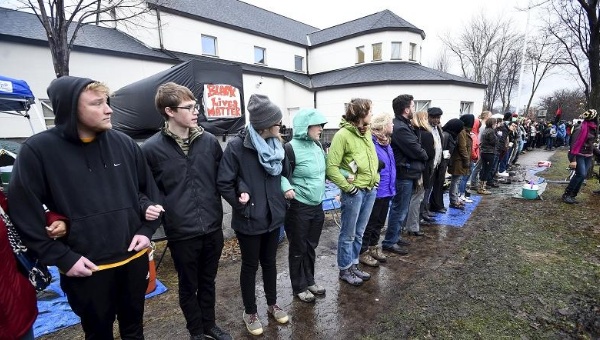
(263, 113)
(468, 119)
(434, 112)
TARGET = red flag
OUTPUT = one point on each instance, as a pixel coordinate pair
(559, 111)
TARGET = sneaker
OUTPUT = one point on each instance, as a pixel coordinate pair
(367, 259)
(503, 174)
(569, 199)
(316, 289)
(253, 323)
(465, 199)
(306, 296)
(457, 206)
(279, 314)
(349, 276)
(217, 333)
(378, 254)
(362, 275)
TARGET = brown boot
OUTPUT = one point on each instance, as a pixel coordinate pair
(482, 190)
(377, 254)
(366, 259)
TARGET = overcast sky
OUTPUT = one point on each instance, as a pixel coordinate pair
(435, 17)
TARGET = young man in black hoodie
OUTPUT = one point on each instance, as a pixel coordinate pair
(98, 179)
(184, 159)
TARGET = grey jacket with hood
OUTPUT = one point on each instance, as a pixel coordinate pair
(102, 187)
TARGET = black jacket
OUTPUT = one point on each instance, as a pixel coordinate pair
(427, 141)
(102, 187)
(410, 157)
(240, 171)
(188, 184)
(488, 141)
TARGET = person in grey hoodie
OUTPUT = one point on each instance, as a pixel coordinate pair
(305, 188)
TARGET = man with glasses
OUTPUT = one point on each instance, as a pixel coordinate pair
(184, 159)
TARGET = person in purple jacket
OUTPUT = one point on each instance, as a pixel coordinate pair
(381, 129)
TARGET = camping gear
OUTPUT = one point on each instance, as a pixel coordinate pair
(530, 191)
(16, 98)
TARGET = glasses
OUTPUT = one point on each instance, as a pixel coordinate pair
(195, 107)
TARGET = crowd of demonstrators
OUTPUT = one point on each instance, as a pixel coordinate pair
(410, 160)
(352, 151)
(381, 129)
(250, 180)
(305, 217)
(581, 152)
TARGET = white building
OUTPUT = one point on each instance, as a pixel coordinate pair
(296, 65)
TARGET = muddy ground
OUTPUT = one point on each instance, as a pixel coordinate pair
(517, 269)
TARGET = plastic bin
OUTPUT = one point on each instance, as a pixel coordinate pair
(529, 192)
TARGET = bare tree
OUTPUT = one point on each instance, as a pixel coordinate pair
(63, 20)
(442, 62)
(572, 102)
(541, 57)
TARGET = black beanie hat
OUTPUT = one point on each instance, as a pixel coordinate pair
(507, 116)
(468, 119)
(263, 113)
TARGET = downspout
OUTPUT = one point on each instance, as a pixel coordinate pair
(160, 36)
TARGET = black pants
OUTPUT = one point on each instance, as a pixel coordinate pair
(436, 201)
(487, 166)
(197, 261)
(376, 223)
(258, 248)
(116, 291)
(303, 226)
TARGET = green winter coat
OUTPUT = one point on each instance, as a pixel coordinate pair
(349, 145)
(308, 177)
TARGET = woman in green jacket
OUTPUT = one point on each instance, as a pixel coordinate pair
(305, 188)
(352, 151)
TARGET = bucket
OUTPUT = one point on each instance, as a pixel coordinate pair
(530, 192)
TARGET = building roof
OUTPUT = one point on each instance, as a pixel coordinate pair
(387, 73)
(18, 25)
(240, 16)
(381, 21)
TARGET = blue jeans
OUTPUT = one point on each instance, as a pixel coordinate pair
(398, 211)
(355, 213)
(583, 166)
(504, 161)
(462, 186)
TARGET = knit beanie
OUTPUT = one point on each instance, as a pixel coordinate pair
(263, 113)
(507, 116)
(468, 119)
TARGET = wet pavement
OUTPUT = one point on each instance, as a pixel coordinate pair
(344, 311)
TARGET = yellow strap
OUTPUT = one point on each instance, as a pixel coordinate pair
(124, 262)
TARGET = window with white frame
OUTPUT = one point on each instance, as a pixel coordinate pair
(396, 50)
(360, 54)
(260, 55)
(412, 52)
(299, 63)
(466, 108)
(377, 51)
(209, 45)
(48, 113)
(422, 105)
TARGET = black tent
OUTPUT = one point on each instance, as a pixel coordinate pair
(217, 85)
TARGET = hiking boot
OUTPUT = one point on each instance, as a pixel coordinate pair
(482, 190)
(279, 314)
(306, 296)
(377, 254)
(316, 289)
(253, 323)
(568, 199)
(396, 249)
(349, 276)
(367, 259)
(402, 242)
(359, 273)
(216, 333)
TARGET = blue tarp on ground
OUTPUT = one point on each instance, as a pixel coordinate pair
(456, 217)
(54, 310)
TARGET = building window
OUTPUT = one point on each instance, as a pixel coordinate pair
(466, 108)
(299, 63)
(48, 113)
(260, 55)
(376, 52)
(209, 45)
(360, 54)
(396, 50)
(412, 52)
(422, 105)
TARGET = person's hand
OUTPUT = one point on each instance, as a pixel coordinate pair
(244, 198)
(350, 178)
(139, 242)
(82, 268)
(290, 194)
(573, 165)
(56, 229)
(153, 212)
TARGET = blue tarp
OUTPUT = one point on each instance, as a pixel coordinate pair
(15, 95)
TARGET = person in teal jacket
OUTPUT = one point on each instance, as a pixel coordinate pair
(352, 150)
(305, 189)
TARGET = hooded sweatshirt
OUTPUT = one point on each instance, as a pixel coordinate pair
(103, 187)
(308, 177)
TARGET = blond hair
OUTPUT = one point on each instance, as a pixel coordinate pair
(99, 87)
(420, 120)
(380, 121)
(485, 115)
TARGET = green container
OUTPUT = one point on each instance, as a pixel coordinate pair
(5, 173)
(530, 192)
